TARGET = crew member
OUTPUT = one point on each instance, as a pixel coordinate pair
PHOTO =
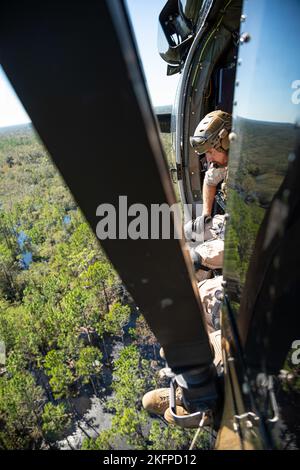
(211, 138)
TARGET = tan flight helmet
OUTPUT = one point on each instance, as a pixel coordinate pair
(212, 132)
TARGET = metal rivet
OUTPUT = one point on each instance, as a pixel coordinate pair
(237, 83)
(245, 37)
(232, 137)
(291, 157)
(272, 291)
(240, 62)
(290, 377)
(243, 18)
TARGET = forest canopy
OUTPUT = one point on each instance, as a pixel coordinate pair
(70, 329)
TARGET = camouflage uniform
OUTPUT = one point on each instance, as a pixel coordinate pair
(212, 132)
(207, 290)
(212, 252)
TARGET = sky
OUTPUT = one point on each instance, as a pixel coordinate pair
(162, 89)
(11, 110)
(270, 68)
(144, 16)
(267, 82)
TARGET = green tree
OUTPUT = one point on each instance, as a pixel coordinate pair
(89, 364)
(129, 425)
(116, 318)
(60, 374)
(55, 419)
(132, 376)
(105, 441)
(100, 274)
(21, 404)
(173, 437)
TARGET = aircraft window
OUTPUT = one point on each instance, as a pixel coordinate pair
(266, 112)
(262, 239)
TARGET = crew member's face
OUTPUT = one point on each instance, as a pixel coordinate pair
(213, 155)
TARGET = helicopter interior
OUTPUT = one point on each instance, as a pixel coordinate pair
(199, 40)
(210, 86)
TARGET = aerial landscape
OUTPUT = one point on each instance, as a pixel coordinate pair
(149, 231)
(79, 354)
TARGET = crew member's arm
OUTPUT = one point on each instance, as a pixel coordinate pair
(209, 193)
(213, 176)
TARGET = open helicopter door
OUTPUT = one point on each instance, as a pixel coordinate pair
(206, 83)
(75, 68)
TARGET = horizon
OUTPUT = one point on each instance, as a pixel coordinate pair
(161, 88)
(30, 123)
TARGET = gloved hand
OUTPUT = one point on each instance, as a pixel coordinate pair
(194, 230)
(196, 259)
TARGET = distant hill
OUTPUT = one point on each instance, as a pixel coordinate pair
(259, 160)
(163, 109)
(17, 128)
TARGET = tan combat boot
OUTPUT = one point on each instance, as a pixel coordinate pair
(157, 401)
(181, 411)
